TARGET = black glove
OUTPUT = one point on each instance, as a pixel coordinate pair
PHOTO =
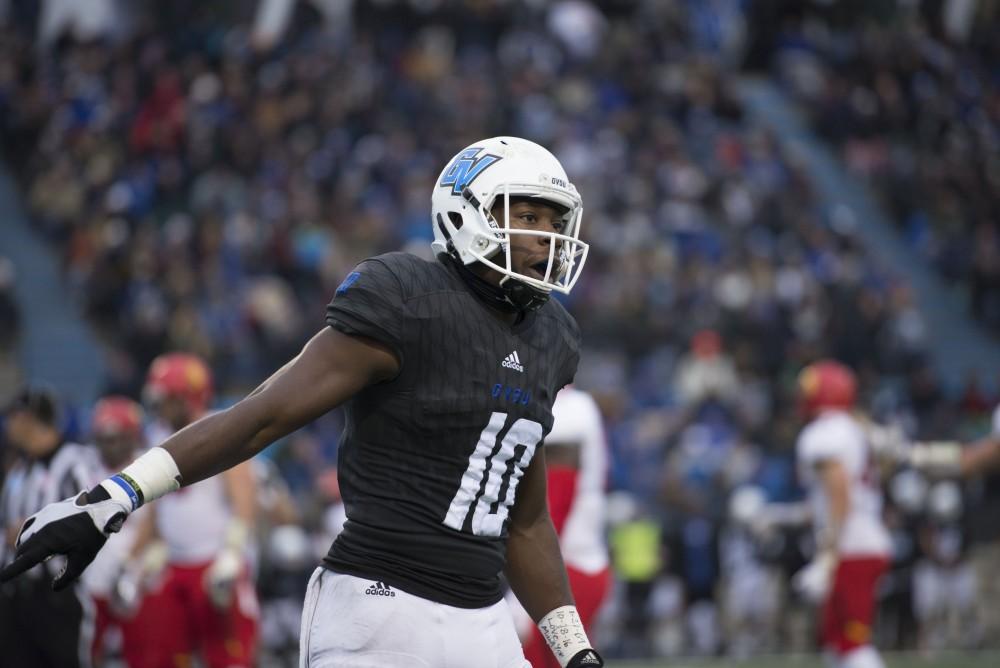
(585, 658)
(76, 527)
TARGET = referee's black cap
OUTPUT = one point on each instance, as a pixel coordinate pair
(39, 400)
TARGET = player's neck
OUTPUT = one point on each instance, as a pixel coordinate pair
(482, 281)
(498, 306)
(507, 317)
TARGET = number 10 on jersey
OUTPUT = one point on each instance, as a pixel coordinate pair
(490, 480)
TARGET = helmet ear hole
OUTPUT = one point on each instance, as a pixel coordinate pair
(456, 219)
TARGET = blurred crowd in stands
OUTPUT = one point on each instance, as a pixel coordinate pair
(911, 102)
(207, 184)
(10, 332)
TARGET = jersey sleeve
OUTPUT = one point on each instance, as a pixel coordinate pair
(370, 303)
(820, 443)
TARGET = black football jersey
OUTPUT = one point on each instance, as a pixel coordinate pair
(430, 461)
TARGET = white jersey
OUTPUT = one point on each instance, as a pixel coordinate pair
(996, 421)
(577, 422)
(836, 435)
(192, 521)
(103, 571)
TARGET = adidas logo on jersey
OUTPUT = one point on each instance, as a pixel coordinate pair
(589, 659)
(512, 361)
(380, 589)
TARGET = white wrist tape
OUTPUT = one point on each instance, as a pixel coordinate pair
(147, 478)
(563, 631)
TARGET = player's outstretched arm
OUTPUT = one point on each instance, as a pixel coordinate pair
(981, 457)
(951, 458)
(331, 368)
(537, 575)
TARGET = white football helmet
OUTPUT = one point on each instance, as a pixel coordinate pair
(506, 167)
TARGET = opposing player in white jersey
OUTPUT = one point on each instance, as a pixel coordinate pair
(206, 605)
(853, 547)
(577, 468)
(116, 427)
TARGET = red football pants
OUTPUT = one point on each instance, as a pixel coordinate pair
(850, 608)
(589, 592)
(179, 620)
(105, 620)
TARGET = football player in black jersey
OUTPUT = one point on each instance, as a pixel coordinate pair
(448, 370)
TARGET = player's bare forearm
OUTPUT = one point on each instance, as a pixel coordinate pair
(834, 479)
(331, 368)
(980, 457)
(535, 568)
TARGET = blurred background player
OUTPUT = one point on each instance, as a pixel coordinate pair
(40, 627)
(751, 587)
(576, 460)
(286, 559)
(116, 428)
(852, 544)
(206, 605)
(979, 459)
(944, 580)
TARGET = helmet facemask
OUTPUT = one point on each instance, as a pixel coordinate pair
(492, 248)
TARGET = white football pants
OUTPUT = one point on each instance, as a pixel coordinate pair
(349, 622)
(865, 656)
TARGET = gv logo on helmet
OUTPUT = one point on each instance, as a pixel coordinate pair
(464, 169)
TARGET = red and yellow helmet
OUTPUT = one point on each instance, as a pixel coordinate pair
(181, 375)
(116, 416)
(826, 385)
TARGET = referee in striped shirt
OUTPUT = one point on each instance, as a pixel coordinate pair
(39, 627)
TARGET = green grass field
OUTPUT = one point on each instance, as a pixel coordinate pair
(897, 660)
